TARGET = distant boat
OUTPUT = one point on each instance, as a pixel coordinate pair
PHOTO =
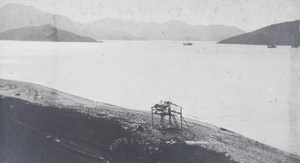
(271, 46)
(187, 43)
(295, 46)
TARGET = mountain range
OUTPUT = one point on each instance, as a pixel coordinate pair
(13, 16)
(287, 33)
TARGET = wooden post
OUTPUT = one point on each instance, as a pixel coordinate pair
(169, 112)
(152, 115)
(181, 116)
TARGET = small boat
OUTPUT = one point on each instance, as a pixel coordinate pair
(271, 46)
(187, 43)
(295, 46)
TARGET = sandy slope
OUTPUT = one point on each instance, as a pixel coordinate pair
(213, 138)
(45, 96)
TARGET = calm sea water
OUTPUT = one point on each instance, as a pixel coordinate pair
(252, 90)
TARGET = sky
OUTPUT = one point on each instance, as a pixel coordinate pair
(248, 15)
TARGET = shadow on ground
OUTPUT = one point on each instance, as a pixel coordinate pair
(40, 134)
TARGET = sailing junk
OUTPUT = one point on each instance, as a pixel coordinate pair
(187, 43)
(271, 46)
(167, 109)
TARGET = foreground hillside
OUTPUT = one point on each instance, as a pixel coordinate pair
(43, 33)
(287, 33)
(40, 124)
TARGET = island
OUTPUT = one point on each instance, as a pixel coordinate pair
(286, 33)
(43, 33)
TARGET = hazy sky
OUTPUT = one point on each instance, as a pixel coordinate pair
(245, 14)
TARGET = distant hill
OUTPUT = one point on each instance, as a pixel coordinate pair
(173, 30)
(43, 33)
(14, 16)
(287, 33)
